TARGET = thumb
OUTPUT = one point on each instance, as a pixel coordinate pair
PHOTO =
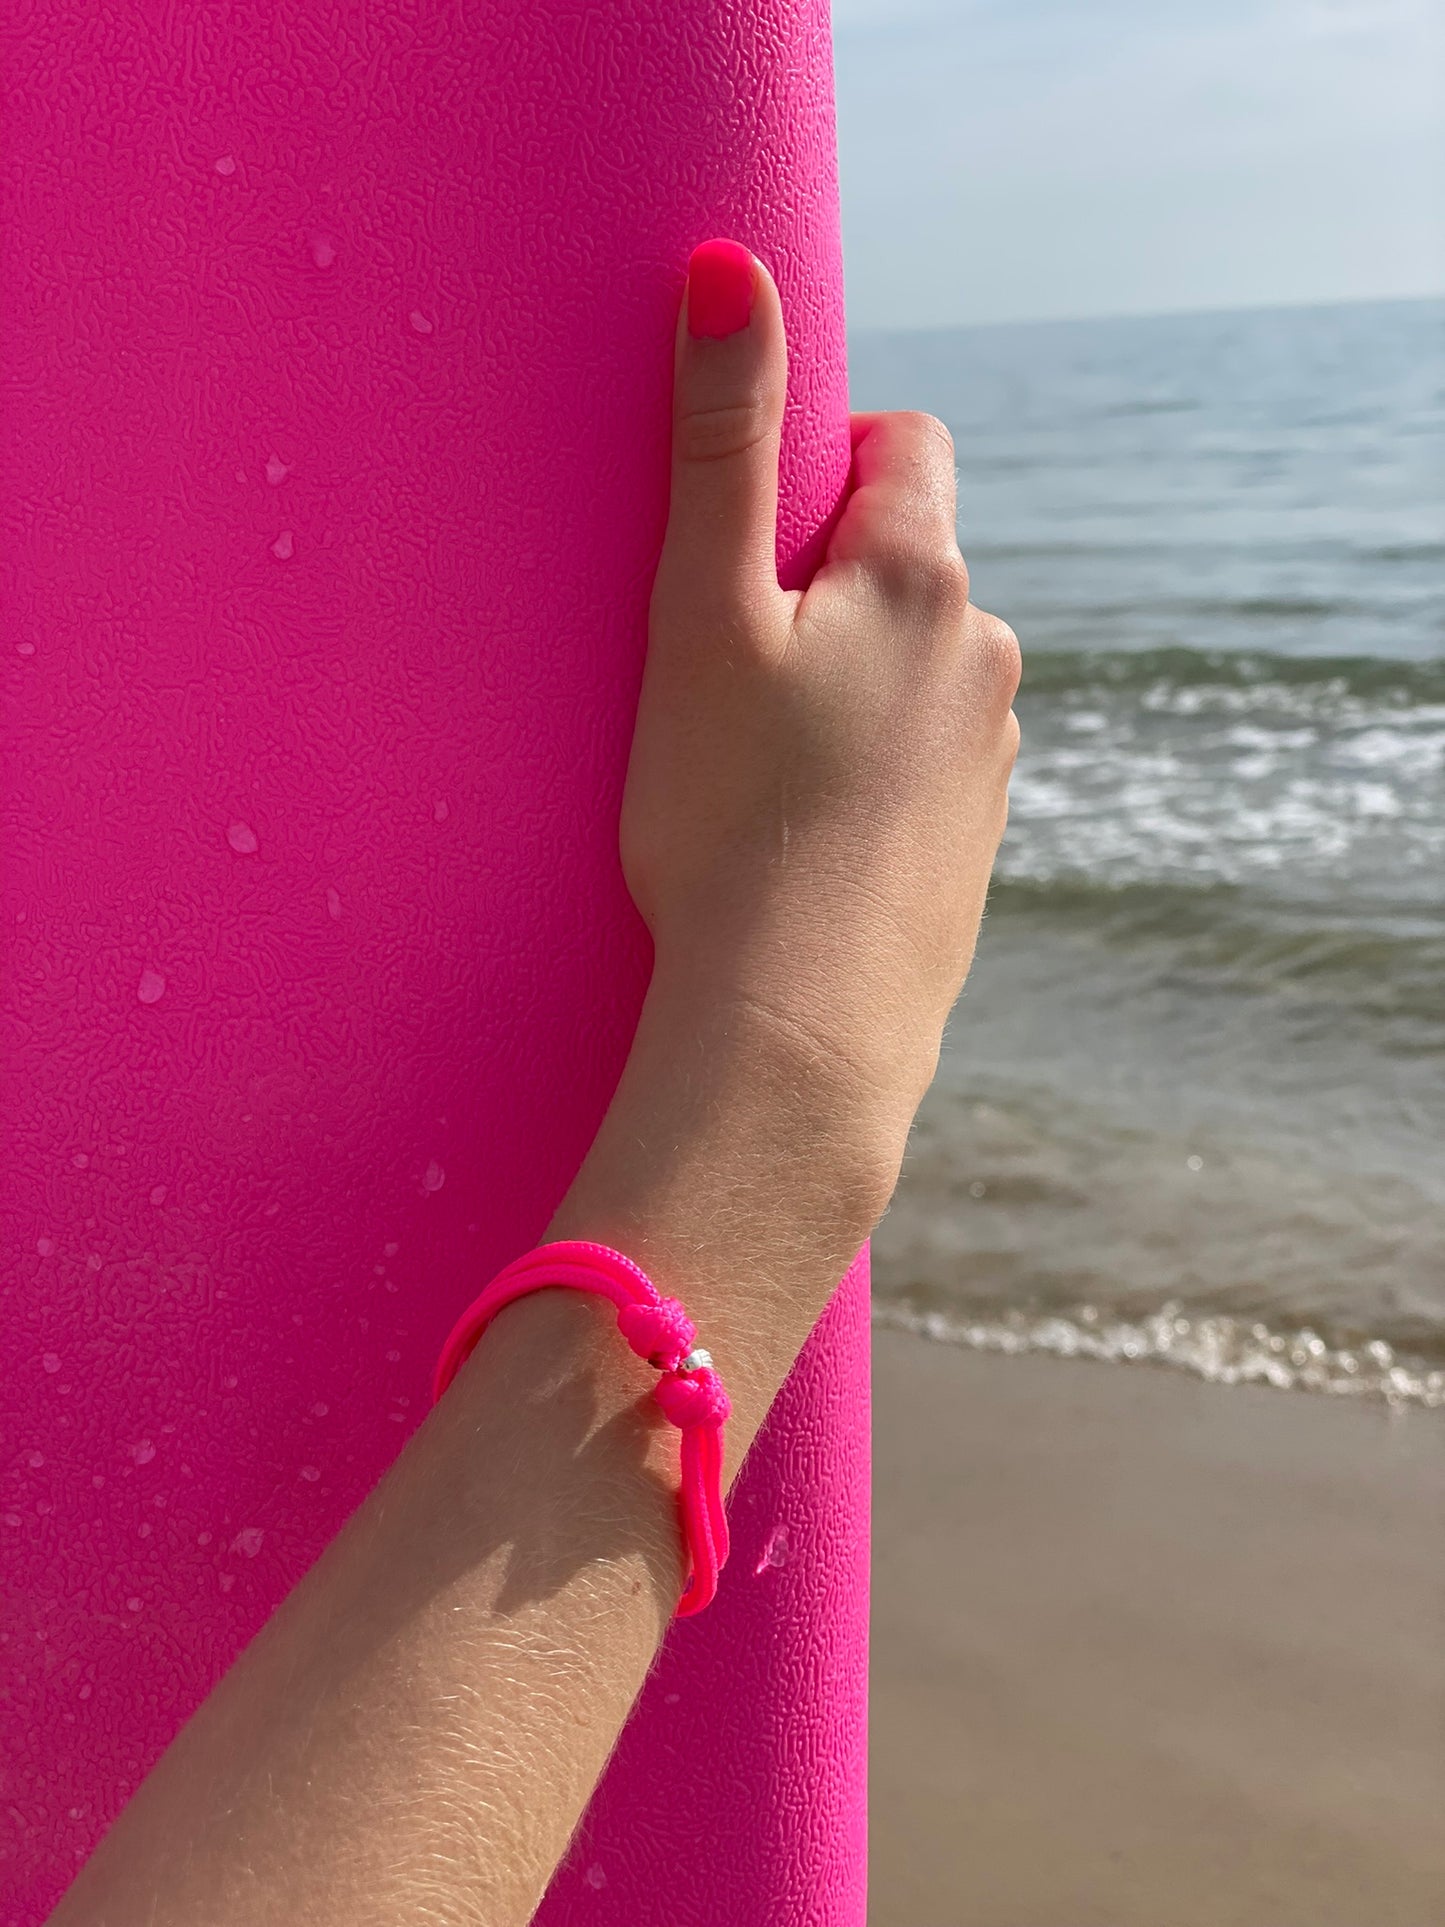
(730, 378)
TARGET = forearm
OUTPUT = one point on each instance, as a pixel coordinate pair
(415, 1733)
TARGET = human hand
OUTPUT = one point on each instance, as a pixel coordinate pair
(818, 779)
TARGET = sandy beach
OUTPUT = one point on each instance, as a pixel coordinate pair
(1150, 1652)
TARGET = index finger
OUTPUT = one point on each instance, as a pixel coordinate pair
(903, 503)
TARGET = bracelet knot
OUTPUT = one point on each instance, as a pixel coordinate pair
(689, 1391)
(693, 1398)
(662, 1333)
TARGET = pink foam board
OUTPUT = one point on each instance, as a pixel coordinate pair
(337, 359)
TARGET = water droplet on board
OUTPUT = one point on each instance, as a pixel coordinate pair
(333, 903)
(24, 649)
(81, 1160)
(158, 1196)
(248, 1540)
(434, 1177)
(420, 322)
(143, 1453)
(393, 1358)
(242, 839)
(151, 988)
(95, 1261)
(86, 1690)
(594, 1876)
(311, 1473)
(775, 1552)
(45, 1246)
(323, 250)
(231, 1382)
(276, 470)
(133, 1605)
(35, 1461)
(51, 1362)
(390, 1251)
(671, 1699)
(320, 1409)
(1195, 1163)
(440, 811)
(283, 548)
(226, 164)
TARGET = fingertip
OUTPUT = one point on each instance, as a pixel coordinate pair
(721, 289)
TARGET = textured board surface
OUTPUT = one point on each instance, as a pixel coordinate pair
(337, 359)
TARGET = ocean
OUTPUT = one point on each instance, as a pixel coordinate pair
(1191, 1105)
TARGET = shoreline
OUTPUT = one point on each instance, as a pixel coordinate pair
(1149, 1651)
(1215, 1347)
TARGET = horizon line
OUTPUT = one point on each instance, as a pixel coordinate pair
(1149, 314)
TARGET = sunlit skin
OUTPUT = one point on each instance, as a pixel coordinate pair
(415, 1733)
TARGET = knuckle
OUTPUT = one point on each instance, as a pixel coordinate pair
(926, 577)
(718, 430)
(930, 433)
(948, 585)
(998, 660)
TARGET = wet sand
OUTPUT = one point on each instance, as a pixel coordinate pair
(1149, 1652)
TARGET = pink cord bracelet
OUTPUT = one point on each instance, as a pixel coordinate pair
(659, 1330)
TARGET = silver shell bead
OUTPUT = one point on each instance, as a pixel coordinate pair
(695, 1360)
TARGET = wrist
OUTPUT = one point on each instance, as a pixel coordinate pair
(739, 1106)
(750, 1056)
(735, 1166)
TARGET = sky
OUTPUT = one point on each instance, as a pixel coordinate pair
(1012, 160)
